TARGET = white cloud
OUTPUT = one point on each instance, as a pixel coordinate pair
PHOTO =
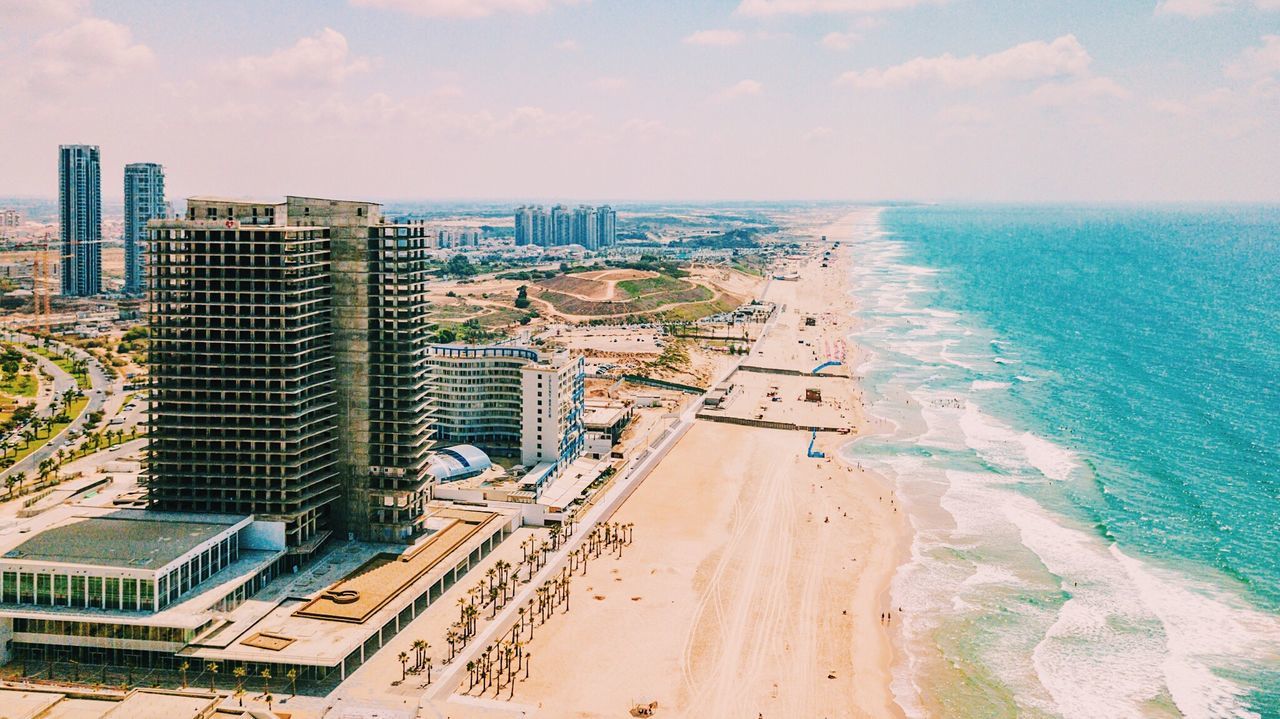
(742, 88)
(965, 115)
(1257, 62)
(1205, 8)
(715, 38)
(1036, 60)
(323, 58)
(1193, 8)
(1204, 103)
(32, 15)
(820, 132)
(1077, 92)
(609, 84)
(769, 8)
(91, 50)
(463, 8)
(839, 40)
(567, 45)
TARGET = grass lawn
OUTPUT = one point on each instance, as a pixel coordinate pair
(82, 381)
(698, 310)
(650, 285)
(74, 411)
(22, 384)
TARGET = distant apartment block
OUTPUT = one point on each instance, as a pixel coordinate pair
(451, 238)
(289, 369)
(591, 227)
(10, 218)
(143, 201)
(80, 219)
(561, 225)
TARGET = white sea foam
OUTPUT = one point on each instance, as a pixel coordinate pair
(1202, 627)
(1013, 450)
(1101, 656)
(980, 385)
(1053, 461)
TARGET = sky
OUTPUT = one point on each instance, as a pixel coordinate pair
(652, 100)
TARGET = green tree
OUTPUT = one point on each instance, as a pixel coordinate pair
(460, 266)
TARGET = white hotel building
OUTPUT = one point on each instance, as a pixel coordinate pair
(511, 400)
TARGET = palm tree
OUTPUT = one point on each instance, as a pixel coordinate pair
(212, 668)
(292, 674)
(240, 673)
(471, 671)
(266, 681)
(526, 664)
(182, 669)
(9, 481)
(404, 665)
(428, 662)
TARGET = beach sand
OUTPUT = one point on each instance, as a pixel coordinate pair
(757, 576)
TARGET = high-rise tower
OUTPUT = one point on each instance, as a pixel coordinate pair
(143, 201)
(80, 218)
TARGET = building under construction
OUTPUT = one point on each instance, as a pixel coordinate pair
(289, 369)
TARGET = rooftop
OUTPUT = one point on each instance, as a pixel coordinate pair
(114, 541)
(364, 591)
(163, 705)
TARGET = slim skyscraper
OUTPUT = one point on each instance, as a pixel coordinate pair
(143, 201)
(80, 217)
(586, 228)
(524, 225)
(607, 224)
(561, 225)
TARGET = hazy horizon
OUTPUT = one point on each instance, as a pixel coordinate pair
(1176, 101)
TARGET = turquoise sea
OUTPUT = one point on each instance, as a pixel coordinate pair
(1082, 412)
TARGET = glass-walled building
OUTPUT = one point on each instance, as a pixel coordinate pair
(118, 563)
(130, 581)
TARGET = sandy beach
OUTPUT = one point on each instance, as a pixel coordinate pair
(758, 575)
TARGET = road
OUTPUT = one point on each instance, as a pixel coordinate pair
(101, 389)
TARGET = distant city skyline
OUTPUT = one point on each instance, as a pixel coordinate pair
(1155, 100)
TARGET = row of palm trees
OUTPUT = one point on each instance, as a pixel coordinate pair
(421, 660)
(497, 665)
(241, 674)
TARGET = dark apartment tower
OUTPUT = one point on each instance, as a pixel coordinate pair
(384, 413)
(243, 404)
(80, 218)
(305, 318)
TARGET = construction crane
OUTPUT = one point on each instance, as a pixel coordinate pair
(41, 287)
